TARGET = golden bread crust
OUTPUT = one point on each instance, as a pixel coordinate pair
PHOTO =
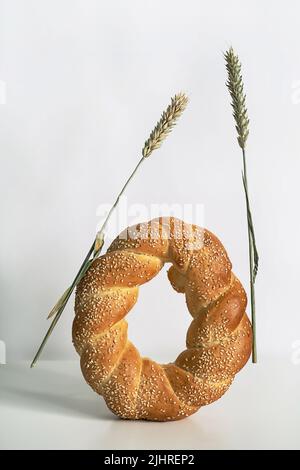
(218, 340)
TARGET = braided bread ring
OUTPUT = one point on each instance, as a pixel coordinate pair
(218, 339)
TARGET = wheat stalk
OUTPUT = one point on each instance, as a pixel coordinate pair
(235, 86)
(165, 124)
(160, 132)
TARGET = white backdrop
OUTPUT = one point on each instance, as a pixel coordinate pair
(85, 83)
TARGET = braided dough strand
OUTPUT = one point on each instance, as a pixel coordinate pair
(218, 340)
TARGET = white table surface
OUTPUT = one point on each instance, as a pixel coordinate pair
(51, 407)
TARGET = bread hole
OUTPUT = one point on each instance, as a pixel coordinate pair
(158, 322)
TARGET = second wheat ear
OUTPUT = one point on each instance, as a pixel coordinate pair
(235, 86)
(160, 132)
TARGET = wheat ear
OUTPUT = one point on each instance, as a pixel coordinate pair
(165, 124)
(236, 89)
